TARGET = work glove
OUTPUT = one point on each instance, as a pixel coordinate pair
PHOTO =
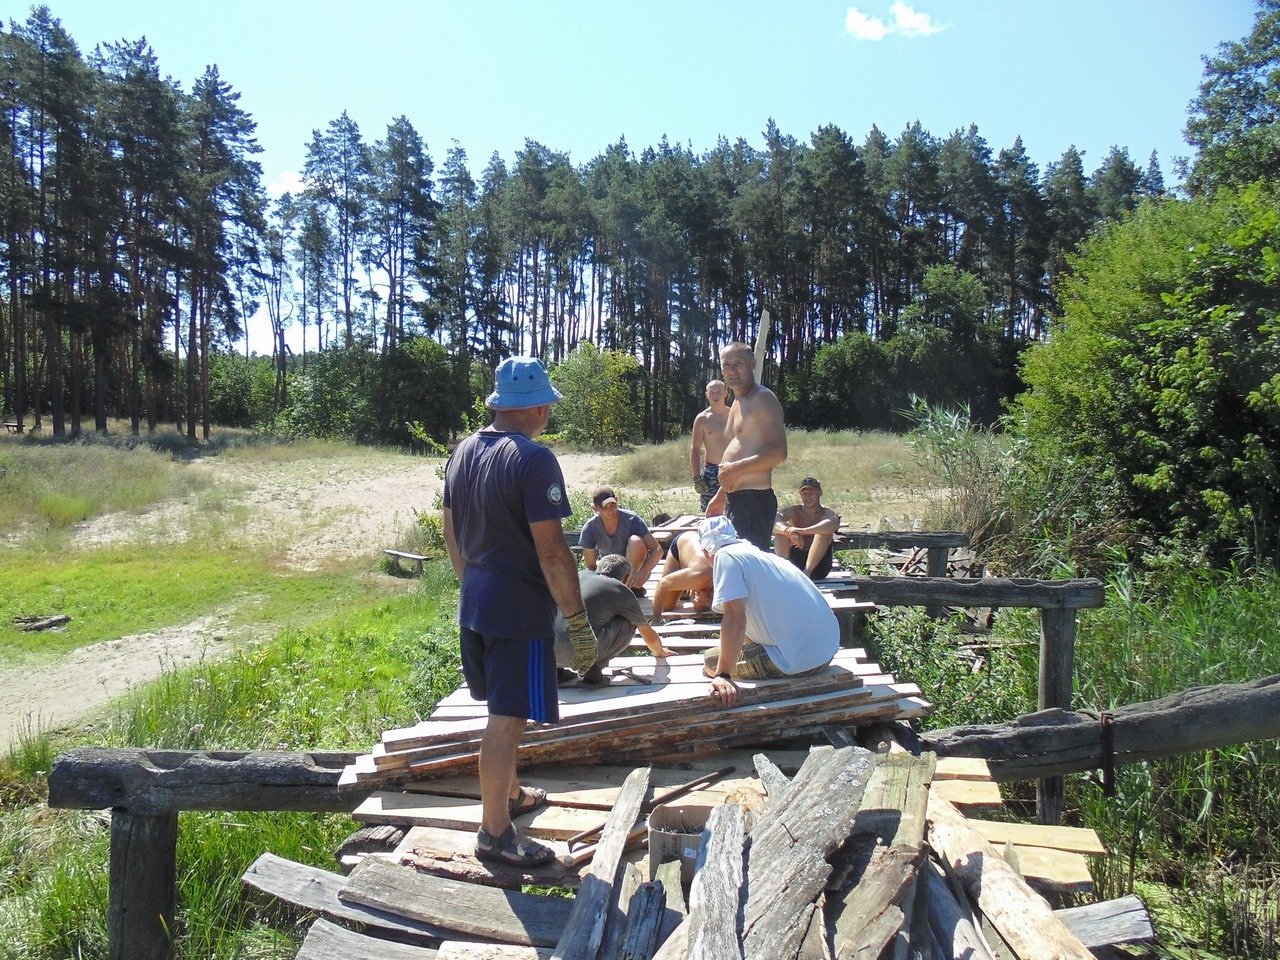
(583, 640)
(700, 485)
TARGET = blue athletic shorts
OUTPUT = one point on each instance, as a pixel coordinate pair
(516, 678)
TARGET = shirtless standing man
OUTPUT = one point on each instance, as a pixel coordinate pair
(709, 441)
(757, 444)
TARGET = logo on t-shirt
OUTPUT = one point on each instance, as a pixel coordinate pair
(554, 494)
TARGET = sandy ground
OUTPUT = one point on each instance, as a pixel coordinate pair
(318, 512)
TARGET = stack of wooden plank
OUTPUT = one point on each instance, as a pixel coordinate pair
(650, 708)
(858, 855)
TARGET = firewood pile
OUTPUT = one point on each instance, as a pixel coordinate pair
(859, 854)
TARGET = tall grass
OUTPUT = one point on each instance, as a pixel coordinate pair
(334, 685)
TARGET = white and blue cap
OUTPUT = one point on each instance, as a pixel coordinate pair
(717, 532)
(520, 383)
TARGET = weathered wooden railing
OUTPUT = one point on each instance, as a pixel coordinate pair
(936, 544)
(1058, 601)
(146, 789)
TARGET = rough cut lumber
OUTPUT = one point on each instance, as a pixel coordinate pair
(899, 539)
(1054, 742)
(619, 906)
(1073, 839)
(140, 883)
(316, 890)
(644, 922)
(714, 900)
(452, 813)
(1022, 917)
(166, 781)
(504, 916)
(1113, 921)
(328, 941)
(980, 592)
(585, 926)
(790, 843)
(676, 909)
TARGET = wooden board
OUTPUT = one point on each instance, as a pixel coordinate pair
(1072, 839)
(485, 913)
(316, 890)
(328, 941)
(970, 794)
(455, 813)
(1059, 871)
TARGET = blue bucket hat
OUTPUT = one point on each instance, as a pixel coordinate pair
(520, 383)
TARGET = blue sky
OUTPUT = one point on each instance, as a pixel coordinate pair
(578, 75)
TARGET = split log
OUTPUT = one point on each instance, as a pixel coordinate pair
(1021, 916)
(644, 922)
(787, 864)
(585, 927)
(32, 624)
(951, 919)
(1055, 742)
(717, 888)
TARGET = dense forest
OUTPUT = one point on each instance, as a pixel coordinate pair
(138, 241)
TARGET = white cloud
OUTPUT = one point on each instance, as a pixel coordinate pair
(864, 27)
(911, 22)
(907, 22)
(290, 181)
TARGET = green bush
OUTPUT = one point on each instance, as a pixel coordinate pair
(599, 408)
(1158, 391)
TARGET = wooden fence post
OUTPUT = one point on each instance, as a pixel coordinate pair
(140, 886)
(1057, 672)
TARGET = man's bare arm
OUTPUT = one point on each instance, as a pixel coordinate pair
(733, 635)
(451, 545)
(653, 640)
(589, 555)
(557, 564)
(695, 450)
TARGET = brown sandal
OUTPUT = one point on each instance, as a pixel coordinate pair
(510, 847)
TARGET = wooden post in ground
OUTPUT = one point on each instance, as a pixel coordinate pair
(936, 566)
(140, 885)
(1057, 671)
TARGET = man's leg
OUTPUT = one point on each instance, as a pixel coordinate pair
(498, 783)
(818, 562)
(782, 546)
(637, 552)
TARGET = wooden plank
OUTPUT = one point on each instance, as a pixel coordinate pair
(644, 922)
(451, 853)
(1074, 839)
(951, 918)
(715, 895)
(1113, 921)
(328, 941)
(585, 926)
(1059, 871)
(961, 768)
(1022, 917)
(455, 813)
(316, 890)
(505, 916)
(140, 884)
(980, 592)
(970, 794)
(787, 862)
(615, 924)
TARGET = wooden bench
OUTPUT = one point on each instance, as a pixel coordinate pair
(13, 427)
(415, 558)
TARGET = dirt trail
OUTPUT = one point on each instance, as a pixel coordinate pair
(320, 512)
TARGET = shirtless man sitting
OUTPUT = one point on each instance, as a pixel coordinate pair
(687, 570)
(708, 442)
(757, 442)
(803, 533)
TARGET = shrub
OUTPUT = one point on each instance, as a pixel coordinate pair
(599, 408)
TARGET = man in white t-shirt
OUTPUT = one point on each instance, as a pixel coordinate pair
(776, 623)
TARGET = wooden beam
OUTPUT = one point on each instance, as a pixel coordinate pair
(165, 781)
(1055, 742)
(714, 901)
(979, 592)
(140, 885)
(900, 539)
(328, 941)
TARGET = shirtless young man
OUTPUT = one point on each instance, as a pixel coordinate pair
(687, 570)
(804, 532)
(709, 442)
(757, 444)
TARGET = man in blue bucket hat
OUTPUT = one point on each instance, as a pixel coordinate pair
(504, 507)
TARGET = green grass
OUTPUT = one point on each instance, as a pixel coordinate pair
(336, 684)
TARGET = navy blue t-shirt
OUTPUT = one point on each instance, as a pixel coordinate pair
(496, 484)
